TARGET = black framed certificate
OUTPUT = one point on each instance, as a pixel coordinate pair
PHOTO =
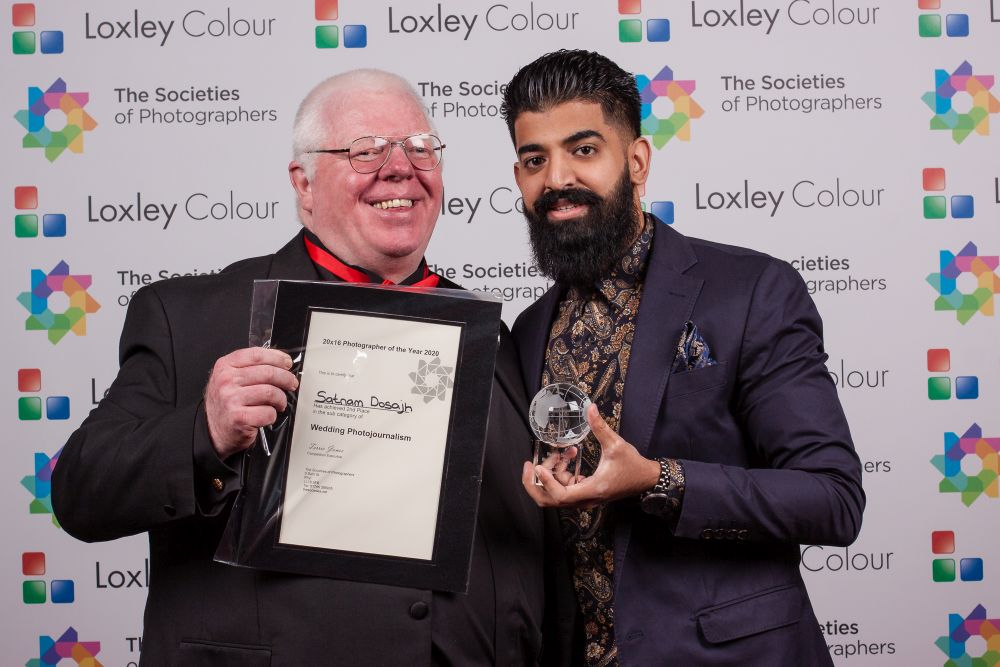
(373, 472)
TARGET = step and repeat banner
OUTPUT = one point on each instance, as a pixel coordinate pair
(857, 139)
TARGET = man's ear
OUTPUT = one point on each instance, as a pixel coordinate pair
(517, 175)
(639, 155)
(303, 186)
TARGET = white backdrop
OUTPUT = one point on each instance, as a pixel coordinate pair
(815, 104)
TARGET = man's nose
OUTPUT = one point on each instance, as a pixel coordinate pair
(398, 165)
(559, 174)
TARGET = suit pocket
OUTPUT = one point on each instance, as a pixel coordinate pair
(201, 653)
(760, 612)
(688, 382)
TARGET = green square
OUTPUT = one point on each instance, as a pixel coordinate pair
(327, 37)
(630, 30)
(29, 408)
(33, 592)
(944, 569)
(26, 226)
(935, 207)
(939, 389)
(23, 42)
(930, 25)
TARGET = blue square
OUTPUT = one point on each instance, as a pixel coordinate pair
(355, 36)
(658, 30)
(956, 25)
(963, 206)
(664, 210)
(54, 224)
(966, 387)
(51, 41)
(62, 591)
(57, 407)
(971, 569)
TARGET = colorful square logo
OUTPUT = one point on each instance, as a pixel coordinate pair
(963, 207)
(29, 408)
(940, 388)
(630, 29)
(355, 36)
(26, 225)
(944, 569)
(34, 591)
(26, 42)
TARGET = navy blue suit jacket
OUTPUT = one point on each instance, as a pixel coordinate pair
(766, 450)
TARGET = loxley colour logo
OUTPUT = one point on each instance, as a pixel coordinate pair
(23, 42)
(939, 388)
(328, 36)
(34, 120)
(983, 270)
(929, 25)
(943, 569)
(630, 30)
(946, 87)
(936, 205)
(39, 485)
(678, 124)
(26, 224)
(52, 652)
(43, 287)
(33, 591)
(957, 449)
(29, 408)
(975, 626)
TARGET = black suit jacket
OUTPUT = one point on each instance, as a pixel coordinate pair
(134, 466)
(767, 452)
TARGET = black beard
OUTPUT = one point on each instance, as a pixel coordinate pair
(582, 251)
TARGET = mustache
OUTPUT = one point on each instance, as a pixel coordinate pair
(549, 199)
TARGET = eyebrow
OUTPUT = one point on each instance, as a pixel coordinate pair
(571, 139)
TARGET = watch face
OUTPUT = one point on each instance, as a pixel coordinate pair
(654, 503)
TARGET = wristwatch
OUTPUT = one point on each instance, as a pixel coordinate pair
(665, 497)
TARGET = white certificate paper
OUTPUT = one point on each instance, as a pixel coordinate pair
(367, 452)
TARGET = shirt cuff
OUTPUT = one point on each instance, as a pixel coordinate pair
(674, 491)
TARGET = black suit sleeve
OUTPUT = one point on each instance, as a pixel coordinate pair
(809, 491)
(140, 460)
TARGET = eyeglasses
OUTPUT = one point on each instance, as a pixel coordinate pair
(368, 154)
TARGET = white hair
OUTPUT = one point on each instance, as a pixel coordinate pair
(311, 120)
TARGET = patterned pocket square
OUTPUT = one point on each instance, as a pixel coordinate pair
(692, 350)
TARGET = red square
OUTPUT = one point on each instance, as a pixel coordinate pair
(939, 360)
(29, 379)
(326, 10)
(943, 541)
(933, 179)
(22, 14)
(25, 197)
(33, 563)
(929, 4)
(629, 6)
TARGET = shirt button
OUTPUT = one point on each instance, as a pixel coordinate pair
(217, 484)
(419, 610)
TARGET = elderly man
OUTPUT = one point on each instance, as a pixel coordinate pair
(723, 445)
(161, 451)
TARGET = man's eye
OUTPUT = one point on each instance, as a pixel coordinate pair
(532, 162)
(586, 150)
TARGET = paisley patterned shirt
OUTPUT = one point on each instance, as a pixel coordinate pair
(589, 346)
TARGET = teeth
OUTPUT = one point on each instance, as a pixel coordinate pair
(394, 203)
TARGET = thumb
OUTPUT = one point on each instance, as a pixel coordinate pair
(604, 433)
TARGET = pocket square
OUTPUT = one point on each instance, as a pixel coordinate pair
(692, 350)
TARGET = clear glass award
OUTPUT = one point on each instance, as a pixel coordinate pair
(558, 417)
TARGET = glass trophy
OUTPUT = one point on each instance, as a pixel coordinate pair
(558, 417)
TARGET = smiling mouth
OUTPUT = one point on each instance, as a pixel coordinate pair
(393, 203)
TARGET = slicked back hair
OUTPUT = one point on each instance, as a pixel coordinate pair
(570, 76)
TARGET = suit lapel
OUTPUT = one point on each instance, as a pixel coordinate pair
(533, 337)
(292, 262)
(668, 299)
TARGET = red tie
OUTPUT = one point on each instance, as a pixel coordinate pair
(350, 275)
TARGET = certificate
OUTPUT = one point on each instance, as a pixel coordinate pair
(366, 458)
(373, 472)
